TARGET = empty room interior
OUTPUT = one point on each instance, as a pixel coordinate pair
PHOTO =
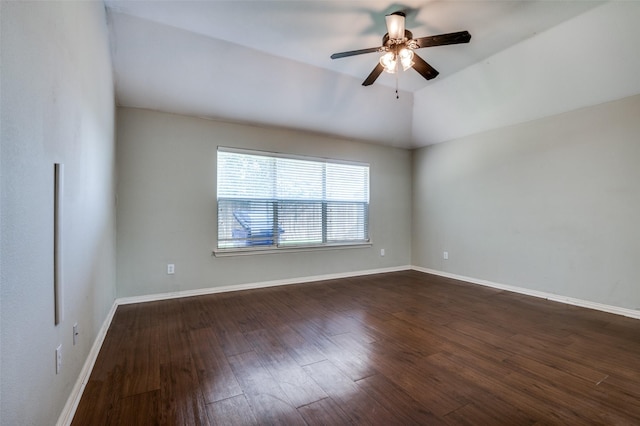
(320, 212)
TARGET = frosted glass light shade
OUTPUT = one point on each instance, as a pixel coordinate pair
(389, 62)
(395, 26)
(406, 58)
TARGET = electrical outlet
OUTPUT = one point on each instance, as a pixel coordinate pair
(171, 268)
(382, 252)
(59, 358)
(75, 334)
(445, 255)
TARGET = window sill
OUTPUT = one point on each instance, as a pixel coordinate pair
(271, 250)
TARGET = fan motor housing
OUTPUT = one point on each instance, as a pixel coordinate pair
(386, 41)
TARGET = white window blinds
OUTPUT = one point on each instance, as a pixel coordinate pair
(272, 200)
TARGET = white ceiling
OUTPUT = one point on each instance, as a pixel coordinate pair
(267, 62)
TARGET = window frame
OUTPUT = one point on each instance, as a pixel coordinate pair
(275, 248)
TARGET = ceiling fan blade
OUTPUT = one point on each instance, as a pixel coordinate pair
(426, 70)
(443, 39)
(354, 52)
(374, 75)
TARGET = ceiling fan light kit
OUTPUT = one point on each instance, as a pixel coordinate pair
(390, 60)
(398, 47)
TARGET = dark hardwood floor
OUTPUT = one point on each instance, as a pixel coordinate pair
(399, 348)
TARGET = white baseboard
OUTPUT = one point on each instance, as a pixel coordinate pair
(251, 286)
(69, 410)
(541, 294)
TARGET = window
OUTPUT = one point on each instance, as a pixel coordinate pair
(268, 200)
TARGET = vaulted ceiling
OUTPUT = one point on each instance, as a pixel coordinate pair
(267, 63)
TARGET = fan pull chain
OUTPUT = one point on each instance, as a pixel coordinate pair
(397, 95)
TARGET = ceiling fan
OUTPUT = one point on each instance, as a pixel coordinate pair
(398, 45)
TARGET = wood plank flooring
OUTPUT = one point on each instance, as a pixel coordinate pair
(390, 349)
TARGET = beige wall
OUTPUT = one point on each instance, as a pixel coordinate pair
(57, 106)
(167, 204)
(548, 73)
(550, 205)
